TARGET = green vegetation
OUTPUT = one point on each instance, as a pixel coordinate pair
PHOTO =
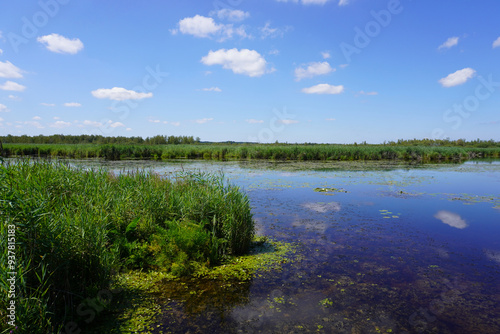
(75, 228)
(299, 152)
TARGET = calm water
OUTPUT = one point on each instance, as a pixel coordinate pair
(391, 249)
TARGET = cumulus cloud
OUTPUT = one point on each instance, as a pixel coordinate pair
(9, 70)
(47, 104)
(254, 121)
(60, 44)
(119, 94)
(35, 124)
(330, 119)
(367, 93)
(287, 121)
(3, 108)
(234, 15)
(13, 86)
(458, 78)
(212, 89)
(496, 43)
(1, 51)
(266, 31)
(452, 219)
(117, 125)
(72, 104)
(203, 120)
(60, 124)
(312, 70)
(205, 27)
(324, 89)
(325, 54)
(246, 62)
(92, 123)
(37, 118)
(452, 41)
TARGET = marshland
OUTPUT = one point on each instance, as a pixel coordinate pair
(253, 245)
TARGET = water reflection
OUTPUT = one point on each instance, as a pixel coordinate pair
(322, 207)
(452, 219)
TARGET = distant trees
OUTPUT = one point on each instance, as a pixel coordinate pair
(98, 139)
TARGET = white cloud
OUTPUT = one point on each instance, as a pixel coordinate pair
(203, 120)
(254, 121)
(14, 97)
(3, 108)
(496, 43)
(324, 89)
(35, 124)
(47, 104)
(212, 89)
(343, 2)
(128, 129)
(367, 93)
(199, 26)
(117, 125)
(458, 78)
(452, 41)
(247, 62)
(9, 70)
(119, 94)
(175, 123)
(1, 51)
(60, 124)
(452, 219)
(37, 118)
(330, 119)
(234, 15)
(92, 123)
(56, 118)
(60, 44)
(72, 104)
(13, 86)
(325, 54)
(287, 121)
(154, 121)
(206, 27)
(274, 52)
(343, 65)
(313, 69)
(1, 119)
(267, 31)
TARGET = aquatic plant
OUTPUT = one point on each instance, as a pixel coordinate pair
(74, 227)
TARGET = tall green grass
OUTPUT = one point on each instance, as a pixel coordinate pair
(299, 152)
(74, 227)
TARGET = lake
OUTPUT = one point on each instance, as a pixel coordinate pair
(381, 248)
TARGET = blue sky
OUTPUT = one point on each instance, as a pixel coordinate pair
(262, 70)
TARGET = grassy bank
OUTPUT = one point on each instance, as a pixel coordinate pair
(298, 152)
(74, 228)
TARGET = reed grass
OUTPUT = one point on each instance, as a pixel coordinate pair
(75, 227)
(298, 152)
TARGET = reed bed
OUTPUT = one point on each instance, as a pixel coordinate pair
(76, 227)
(298, 152)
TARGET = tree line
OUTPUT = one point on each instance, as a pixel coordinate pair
(98, 139)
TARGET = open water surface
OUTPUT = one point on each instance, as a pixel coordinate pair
(382, 248)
